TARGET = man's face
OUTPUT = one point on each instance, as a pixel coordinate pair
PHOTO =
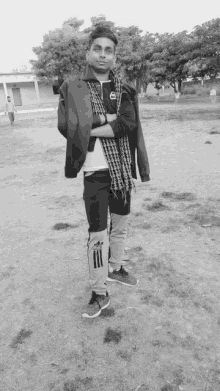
(101, 55)
(9, 99)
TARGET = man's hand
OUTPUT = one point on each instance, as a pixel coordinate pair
(102, 119)
(111, 117)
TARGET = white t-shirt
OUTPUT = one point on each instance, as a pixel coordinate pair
(96, 160)
(10, 107)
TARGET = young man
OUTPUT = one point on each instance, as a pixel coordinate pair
(99, 117)
(213, 95)
(10, 109)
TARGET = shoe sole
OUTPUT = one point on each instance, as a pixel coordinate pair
(97, 313)
(121, 282)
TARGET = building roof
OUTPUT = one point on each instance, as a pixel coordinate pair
(16, 73)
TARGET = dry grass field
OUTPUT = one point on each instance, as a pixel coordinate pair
(164, 334)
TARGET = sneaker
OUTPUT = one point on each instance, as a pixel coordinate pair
(95, 306)
(122, 276)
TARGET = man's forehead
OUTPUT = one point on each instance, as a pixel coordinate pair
(103, 42)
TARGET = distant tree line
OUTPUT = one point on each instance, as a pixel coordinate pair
(141, 59)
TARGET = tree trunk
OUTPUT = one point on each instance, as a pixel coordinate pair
(179, 85)
(174, 87)
(145, 87)
(138, 85)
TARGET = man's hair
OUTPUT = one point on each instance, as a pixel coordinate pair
(8, 96)
(101, 31)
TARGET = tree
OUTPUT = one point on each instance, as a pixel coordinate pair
(99, 20)
(147, 48)
(169, 58)
(141, 59)
(130, 63)
(205, 51)
(61, 53)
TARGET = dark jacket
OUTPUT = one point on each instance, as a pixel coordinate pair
(75, 119)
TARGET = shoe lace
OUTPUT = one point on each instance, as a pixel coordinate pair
(123, 271)
(94, 298)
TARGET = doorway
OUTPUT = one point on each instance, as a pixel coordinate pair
(17, 96)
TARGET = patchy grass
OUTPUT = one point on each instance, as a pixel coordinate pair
(64, 226)
(157, 206)
(192, 206)
(112, 335)
(64, 201)
(214, 132)
(185, 196)
(20, 338)
(137, 249)
(149, 298)
(205, 215)
(146, 226)
(78, 384)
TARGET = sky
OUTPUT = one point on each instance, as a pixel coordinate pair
(23, 24)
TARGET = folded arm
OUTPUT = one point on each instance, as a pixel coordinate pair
(118, 126)
(104, 130)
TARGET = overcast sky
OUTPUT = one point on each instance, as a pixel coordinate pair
(24, 23)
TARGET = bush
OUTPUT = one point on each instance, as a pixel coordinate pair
(189, 90)
(199, 90)
(148, 97)
(167, 97)
(154, 98)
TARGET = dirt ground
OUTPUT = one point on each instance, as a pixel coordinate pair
(164, 334)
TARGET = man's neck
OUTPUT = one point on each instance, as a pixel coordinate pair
(101, 76)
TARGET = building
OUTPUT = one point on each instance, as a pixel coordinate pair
(25, 90)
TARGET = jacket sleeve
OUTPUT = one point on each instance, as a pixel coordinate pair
(125, 123)
(96, 121)
(62, 114)
(142, 156)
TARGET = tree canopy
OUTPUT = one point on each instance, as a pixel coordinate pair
(141, 58)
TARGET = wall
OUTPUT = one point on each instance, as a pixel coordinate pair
(46, 93)
(2, 98)
(28, 94)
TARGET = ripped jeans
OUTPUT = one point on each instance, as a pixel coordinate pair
(104, 248)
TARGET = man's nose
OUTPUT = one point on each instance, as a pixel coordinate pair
(102, 53)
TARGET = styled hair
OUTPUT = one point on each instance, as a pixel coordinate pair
(101, 31)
